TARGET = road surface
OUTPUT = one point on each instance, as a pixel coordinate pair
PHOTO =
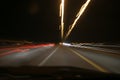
(57, 55)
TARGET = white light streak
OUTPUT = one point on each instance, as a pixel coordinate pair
(61, 14)
(82, 9)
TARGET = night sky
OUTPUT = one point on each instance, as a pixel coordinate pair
(38, 20)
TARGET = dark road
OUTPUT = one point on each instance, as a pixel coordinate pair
(57, 55)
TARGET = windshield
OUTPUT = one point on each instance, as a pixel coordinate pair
(74, 33)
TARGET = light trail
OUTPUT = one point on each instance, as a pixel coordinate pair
(82, 9)
(62, 18)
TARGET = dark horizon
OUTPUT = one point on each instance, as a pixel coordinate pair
(36, 20)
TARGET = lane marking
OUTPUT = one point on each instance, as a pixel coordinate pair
(89, 61)
(44, 61)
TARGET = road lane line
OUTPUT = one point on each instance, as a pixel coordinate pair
(48, 57)
(89, 61)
